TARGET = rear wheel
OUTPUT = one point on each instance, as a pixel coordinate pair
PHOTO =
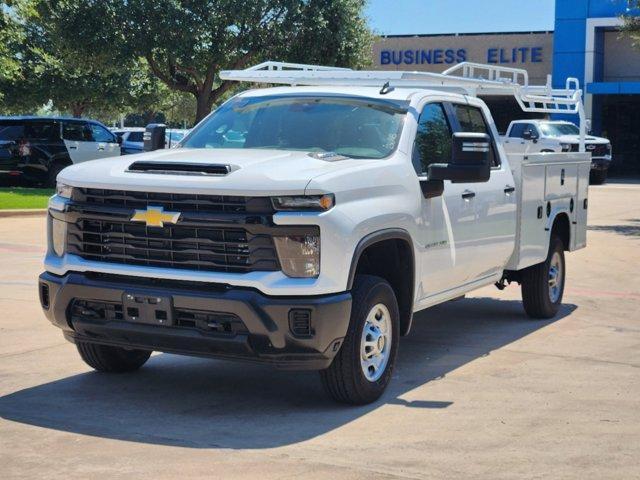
(543, 284)
(362, 369)
(111, 359)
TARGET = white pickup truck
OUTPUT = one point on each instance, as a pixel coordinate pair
(303, 226)
(530, 136)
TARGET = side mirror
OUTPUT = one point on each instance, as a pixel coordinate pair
(154, 137)
(529, 135)
(119, 139)
(469, 160)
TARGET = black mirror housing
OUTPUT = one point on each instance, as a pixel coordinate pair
(529, 135)
(470, 161)
(154, 137)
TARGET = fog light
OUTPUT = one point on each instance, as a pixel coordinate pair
(58, 236)
(299, 255)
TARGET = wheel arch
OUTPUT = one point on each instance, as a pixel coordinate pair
(561, 226)
(396, 245)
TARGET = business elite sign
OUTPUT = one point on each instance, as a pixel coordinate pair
(435, 53)
(435, 56)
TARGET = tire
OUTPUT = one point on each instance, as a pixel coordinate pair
(54, 169)
(345, 380)
(111, 359)
(598, 177)
(539, 298)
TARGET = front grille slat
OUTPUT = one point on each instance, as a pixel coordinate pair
(213, 246)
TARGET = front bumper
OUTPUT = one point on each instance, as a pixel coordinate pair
(264, 329)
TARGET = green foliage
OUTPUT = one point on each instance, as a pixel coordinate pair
(119, 56)
(186, 43)
(631, 24)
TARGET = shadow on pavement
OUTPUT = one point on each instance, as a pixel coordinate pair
(632, 230)
(201, 403)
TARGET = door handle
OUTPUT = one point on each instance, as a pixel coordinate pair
(468, 194)
(73, 148)
(509, 189)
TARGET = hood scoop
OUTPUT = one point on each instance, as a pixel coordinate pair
(179, 168)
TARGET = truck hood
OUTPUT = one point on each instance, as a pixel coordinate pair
(576, 139)
(258, 172)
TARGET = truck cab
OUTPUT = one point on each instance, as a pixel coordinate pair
(531, 136)
(303, 225)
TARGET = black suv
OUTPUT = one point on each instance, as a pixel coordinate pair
(35, 149)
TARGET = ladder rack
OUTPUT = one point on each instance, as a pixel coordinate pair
(467, 77)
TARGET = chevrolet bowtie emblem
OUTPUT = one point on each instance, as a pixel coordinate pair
(155, 216)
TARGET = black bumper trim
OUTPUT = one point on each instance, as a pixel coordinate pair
(267, 339)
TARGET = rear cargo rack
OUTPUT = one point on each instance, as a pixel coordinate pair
(467, 77)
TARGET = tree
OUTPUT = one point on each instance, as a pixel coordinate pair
(49, 72)
(11, 37)
(187, 43)
(631, 24)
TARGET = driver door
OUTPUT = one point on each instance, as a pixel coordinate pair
(446, 223)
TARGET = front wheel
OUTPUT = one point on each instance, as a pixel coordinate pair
(543, 284)
(362, 369)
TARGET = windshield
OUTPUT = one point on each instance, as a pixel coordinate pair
(558, 129)
(350, 126)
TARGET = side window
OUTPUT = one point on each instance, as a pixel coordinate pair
(11, 132)
(135, 137)
(41, 131)
(516, 130)
(101, 134)
(433, 138)
(73, 131)
(472, 120)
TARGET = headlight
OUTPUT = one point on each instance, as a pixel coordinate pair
(317, 203)
(299, 255)
(63, 190)
(58, 236)
(565, 147)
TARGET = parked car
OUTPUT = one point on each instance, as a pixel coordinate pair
(309, 237)
(174, 135)
(132, 139)
(36, 149)
(529, 136)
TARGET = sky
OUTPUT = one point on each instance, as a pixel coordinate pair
(401, 17)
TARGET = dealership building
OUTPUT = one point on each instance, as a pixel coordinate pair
(586, 44)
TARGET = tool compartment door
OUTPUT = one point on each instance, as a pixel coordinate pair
(562, 181)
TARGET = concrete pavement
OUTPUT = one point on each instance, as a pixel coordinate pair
(480, 390)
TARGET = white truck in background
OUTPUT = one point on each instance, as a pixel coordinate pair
(532, 136)
(304, 225)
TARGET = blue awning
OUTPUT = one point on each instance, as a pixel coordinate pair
(613, 88)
